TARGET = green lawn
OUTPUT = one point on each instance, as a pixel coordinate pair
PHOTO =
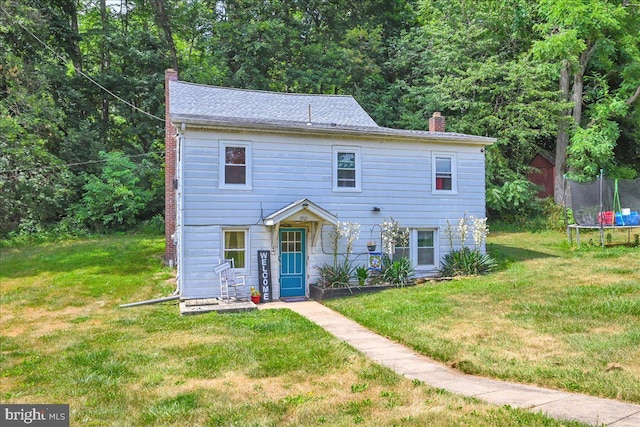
(65, 340)
(554, 315)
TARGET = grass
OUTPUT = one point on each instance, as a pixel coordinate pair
(554, 316)
(65, 340)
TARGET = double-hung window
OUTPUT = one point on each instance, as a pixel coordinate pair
(235, 246)
(346, 169)
(421, 249)
(444, 173)
(235, 165)
(425, 248)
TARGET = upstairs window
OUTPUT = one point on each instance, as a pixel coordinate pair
(346, 175)
(235, 165)
(444, 173)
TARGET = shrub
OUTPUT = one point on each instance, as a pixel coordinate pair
(514, 197)
(335, 276)
(115, 198)
(154, 225)
(466, 262)
(362, 273)
(398, 273)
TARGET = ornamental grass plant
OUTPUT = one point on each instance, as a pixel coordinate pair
(466, 261)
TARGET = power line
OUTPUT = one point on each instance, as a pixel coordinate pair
(65, 60)
(88, 162)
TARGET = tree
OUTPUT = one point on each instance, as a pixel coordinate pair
(471, 64)
(33, 181)
(114, 199)
(590, 41)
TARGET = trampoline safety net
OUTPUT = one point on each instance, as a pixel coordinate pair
(606, 201)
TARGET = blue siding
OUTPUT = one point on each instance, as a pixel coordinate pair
(396, 176)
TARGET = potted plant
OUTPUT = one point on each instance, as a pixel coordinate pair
(371, 246)
(362, 273)
(255, 295)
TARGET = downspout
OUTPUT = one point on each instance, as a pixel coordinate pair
(179, 210)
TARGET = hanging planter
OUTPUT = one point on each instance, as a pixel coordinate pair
(371, 246)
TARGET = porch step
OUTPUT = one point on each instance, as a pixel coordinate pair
(206, 305)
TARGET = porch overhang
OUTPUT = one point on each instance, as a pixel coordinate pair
(301, 211)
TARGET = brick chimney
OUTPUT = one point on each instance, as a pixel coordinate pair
(436, 122)
(169, 173)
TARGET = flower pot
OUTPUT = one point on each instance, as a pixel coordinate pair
(371, 248)
(255, 299)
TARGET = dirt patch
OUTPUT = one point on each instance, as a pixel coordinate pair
(608, 330)
(38, 322)
(506, 340)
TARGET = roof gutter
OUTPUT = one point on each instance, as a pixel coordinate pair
(375, 133)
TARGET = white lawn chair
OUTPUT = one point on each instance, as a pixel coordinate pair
(229, 281)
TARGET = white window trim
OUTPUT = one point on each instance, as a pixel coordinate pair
(413, 249)
(358, 157)
(248, 185)
(247, 249)
(454, 173)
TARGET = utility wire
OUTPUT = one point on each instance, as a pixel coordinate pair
(65, 60)
(89, 162)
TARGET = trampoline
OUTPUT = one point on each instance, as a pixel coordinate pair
(604, 204)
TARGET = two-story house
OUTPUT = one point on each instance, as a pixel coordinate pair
(250, 171)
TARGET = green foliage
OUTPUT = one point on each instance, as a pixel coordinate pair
(468, 61)
(335, 276)
(399, 272)
(114, 199)
(545, 215)
(490, 67)
(589, 40)
(591, 150)
(514, 197)
(34, 183)
(466, 262)
(154, 225)
(554, 216)
(362, 273)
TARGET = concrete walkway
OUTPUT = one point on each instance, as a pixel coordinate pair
(404, 361)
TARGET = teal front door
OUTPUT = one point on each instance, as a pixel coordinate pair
(292, 262)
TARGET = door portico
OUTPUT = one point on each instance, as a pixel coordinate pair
(295, 231)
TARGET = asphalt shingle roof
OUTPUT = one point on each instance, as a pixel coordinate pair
(237, 105)
(289, 112)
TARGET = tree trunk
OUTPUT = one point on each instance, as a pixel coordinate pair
(163, 21)
(633, 97)
(104, 57)
(578, 88)
(76, 55)
(578, 82)
(562, 140)
(575, 95)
